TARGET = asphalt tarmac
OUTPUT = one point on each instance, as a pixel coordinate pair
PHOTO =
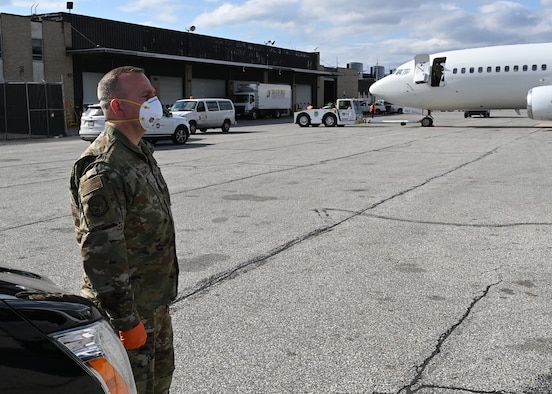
(374, 258)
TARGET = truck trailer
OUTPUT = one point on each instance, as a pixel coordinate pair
(262, 99)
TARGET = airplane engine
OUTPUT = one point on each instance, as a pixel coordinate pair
(539, 103)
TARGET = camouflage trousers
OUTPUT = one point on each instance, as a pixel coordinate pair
(153, 363)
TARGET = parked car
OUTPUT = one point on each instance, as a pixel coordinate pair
(171, 127)
(391, 108)
(53, 342)
(485, 113)
(365, 107)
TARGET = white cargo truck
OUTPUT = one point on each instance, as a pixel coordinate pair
(346, 112)
(262, 99)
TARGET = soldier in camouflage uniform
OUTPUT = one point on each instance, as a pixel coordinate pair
(124, 225)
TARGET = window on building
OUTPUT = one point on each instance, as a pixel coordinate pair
(37, 49)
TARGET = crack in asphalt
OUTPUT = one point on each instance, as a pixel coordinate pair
(206, 284)
(414, 385)
(449, 224)
(294, 167)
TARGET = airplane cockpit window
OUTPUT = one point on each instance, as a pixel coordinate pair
(402, 71)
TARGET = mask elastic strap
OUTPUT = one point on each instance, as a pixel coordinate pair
(123, 120)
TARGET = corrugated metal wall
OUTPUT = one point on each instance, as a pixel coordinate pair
(90, 32)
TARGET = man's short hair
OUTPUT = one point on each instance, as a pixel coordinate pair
(109, 87)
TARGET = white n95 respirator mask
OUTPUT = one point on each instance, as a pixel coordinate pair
(151, 112)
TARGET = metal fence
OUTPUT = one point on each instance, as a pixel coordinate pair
(31, 110)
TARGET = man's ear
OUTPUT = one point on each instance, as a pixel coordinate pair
(115, 107)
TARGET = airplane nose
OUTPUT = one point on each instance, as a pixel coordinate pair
(378, 88)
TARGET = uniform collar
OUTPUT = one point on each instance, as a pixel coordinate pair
(142, 148)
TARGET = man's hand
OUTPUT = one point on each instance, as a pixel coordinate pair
(134, 338)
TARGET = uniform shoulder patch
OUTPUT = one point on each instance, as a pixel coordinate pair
(91, 185)
(97, 205)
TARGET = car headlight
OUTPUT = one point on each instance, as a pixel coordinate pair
(101, 351)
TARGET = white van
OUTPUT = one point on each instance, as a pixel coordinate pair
(206, 113)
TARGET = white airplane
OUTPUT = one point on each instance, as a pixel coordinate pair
(499, 77)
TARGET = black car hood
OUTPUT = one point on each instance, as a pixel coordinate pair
(14, 281)
(41, 302)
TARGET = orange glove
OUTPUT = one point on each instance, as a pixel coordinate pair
(134, 338)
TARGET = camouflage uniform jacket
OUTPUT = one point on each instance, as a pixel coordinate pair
(124, 225)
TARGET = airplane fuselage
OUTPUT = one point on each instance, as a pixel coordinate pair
(479, 78)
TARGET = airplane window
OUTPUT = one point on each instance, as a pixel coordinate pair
(472, 70)
(480, 69)
(543, 67)
(406, 71)
(497, 69)
(506, 68)
(489, 69)
(455, 70)
(525, 67)
(534, 68)
(463, 70)
(516, 68)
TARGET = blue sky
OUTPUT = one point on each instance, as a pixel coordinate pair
(384, 32)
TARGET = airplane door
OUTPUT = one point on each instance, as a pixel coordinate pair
(421, 68)
(438, 71)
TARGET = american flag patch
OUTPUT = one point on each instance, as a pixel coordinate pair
(91, 185)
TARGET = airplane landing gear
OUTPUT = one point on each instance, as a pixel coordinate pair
(428, 120)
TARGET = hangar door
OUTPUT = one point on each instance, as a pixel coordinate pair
(169, 89)
(303, 96)
(90, 87)
(202, 88)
